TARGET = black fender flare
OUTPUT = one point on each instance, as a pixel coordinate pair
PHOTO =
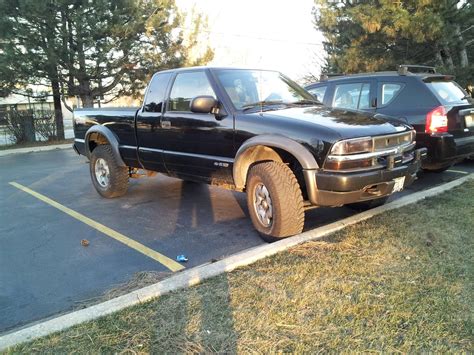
(111, 138)
(241, 164)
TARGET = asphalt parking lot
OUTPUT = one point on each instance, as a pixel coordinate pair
(52, 206)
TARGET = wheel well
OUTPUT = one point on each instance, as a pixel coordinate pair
(95, 139)
(260, 153)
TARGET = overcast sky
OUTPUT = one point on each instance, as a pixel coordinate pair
(262, 34)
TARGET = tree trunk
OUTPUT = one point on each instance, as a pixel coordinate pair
(447, 55)
(87, 101)
(439, 57)
(464, 61)
(58, 112)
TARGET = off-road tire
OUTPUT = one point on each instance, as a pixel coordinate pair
(367, 205)
(286, 200)
(118, 175)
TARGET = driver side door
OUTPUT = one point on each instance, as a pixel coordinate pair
(196, 146)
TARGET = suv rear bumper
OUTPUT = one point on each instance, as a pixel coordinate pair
(336, 189)
(445, 150)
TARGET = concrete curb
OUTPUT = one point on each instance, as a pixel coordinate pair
(198, 274)
(40, 148)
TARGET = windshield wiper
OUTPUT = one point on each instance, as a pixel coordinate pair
(263, 103)
(307, 102)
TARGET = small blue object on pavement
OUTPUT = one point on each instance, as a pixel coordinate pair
(181, 258)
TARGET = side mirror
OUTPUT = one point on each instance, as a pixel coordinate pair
(202, 104)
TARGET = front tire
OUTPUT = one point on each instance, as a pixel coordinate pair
(108, 177)
(274, 201)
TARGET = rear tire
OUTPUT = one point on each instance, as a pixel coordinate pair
(367, 205)
(108, 177)
(274, 201)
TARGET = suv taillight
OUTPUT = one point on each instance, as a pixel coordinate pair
(437, 120)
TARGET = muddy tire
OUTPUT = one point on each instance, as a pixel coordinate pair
(109, 178)
(274, 201)
(367, 205)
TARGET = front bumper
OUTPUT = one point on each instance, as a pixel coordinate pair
(337, 189)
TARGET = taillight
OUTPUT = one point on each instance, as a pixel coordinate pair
(437, 120)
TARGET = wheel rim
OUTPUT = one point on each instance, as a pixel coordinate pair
(263, 205)
(102, 172)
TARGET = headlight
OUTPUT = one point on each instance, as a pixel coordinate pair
(349, 164)
(353, 146)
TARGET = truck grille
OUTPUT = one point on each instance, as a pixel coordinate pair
(387, 151)
(392, 140)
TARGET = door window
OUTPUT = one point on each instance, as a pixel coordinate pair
(156, 93)
(187, 86)
(318, 92)
(388, 92)
(353, 96)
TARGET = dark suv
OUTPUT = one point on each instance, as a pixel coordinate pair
(441, 112)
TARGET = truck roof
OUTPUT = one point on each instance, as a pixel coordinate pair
(210, 68)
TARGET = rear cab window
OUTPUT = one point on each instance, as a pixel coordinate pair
(449, 92)
(155, 95)
(354, 96)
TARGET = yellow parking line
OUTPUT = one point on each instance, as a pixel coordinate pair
(457, 171)
(164, 260)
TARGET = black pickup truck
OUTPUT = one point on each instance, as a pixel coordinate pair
(253, 131)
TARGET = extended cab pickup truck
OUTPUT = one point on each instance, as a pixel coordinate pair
(253, 131)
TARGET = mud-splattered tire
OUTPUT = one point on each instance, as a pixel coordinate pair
(274, 201)
(109, 178)
(367, 205)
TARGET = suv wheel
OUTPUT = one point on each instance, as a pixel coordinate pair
(274, 201)
(109, 178)
(438, 170)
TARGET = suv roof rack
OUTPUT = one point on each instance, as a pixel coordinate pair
(327, 76)
(404, 69)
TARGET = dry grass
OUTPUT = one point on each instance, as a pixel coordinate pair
(400, 282)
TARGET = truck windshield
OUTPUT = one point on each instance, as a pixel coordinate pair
(249, 89)
(448, 92)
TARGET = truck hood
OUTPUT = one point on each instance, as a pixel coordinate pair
(343, 124)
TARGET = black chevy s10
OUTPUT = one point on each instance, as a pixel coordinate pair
(254, 131)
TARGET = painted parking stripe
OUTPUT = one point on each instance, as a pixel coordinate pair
(164, 260)
(458, 171)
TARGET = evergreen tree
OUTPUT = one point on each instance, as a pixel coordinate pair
(90, 48)
(371, 35)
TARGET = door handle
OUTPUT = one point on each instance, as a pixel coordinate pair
(165, 124)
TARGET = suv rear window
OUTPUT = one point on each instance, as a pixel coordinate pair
(388, 92)
(447, 92)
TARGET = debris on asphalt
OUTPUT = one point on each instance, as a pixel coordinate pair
(181, 258)
(84, 242)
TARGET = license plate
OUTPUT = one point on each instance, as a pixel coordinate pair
(469, 121)
(399, 182)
